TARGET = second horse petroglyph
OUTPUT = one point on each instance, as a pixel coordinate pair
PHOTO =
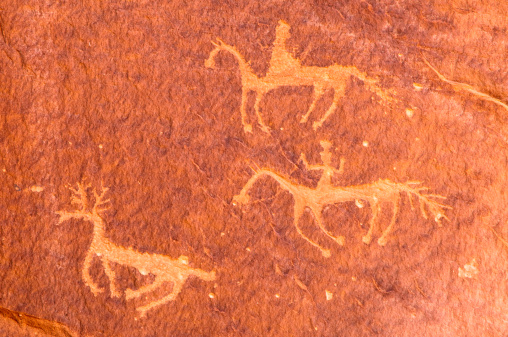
(285, 70)
(381, 191)
(163, 267)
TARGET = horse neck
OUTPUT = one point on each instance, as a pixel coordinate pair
(245, 69)
(283, 182)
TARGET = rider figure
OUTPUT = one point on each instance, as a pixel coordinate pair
(282, 62)
(327, 168)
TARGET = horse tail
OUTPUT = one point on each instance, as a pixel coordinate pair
(426, 201)
(353, 71)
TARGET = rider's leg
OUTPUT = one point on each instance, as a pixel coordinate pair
(339, 92)
(382, 240)
(246, 126)
(318, 93)
(259, 96)
(375, 210)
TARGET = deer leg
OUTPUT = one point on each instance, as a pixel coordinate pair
(318, 92)
(111, 276)
(259, 96)
(130, 294)
(86, 274)
(177, 287)
(299, 208)
(375, 210)
(382, 240)
(337, 95)
(319, 219)
(246, 126)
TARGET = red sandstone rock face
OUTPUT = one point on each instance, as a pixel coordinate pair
(117, 94)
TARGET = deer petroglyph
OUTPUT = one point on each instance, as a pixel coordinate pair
(381, 191)
(163, 267)
(285, 70)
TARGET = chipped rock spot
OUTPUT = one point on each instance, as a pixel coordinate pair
(470, 270)
(329, 295)
(417, 86)
(36, 189)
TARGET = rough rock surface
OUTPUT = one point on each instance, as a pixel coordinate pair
(116, 94)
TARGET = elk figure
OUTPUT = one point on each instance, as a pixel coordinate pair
(163, 267)
(285, 70)
(325, 193)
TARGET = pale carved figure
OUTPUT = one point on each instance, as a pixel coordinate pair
(164, 268)
(285, 70)
(381, 191)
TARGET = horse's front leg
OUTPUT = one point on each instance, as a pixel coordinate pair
(299, 209)
(382, 240)
(246, 126)
(318, 93)
(339, 92)
(259, 97)
(319, 219)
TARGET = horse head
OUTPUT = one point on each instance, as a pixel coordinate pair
(210, 62)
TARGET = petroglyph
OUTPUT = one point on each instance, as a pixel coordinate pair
(163, 267)
(286, 70)
(458, 86)
(381, 191)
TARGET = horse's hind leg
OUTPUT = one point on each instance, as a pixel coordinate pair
(246, 126)
(382, 240)
(375, 210)
(259, 96)
(319, 219)
(337, 95)
(299, 208)
(318, 92)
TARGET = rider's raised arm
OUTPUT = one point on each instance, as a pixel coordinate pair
(341, 166)
(309, 166)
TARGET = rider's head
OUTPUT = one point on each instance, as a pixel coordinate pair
(326, 155)
(282, 29)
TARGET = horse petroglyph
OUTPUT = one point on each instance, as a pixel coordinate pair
(286, 70)
(163, 267)
(381, 191)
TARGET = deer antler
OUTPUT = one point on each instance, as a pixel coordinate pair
(99, 203)
(79, 195)
(79, 198)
